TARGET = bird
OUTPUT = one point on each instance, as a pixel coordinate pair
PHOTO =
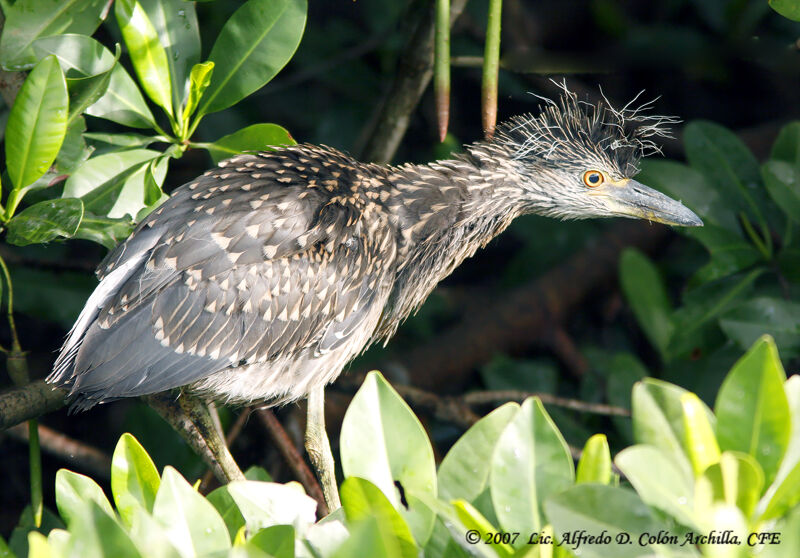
(260, 280)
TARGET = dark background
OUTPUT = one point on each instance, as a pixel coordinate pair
(735, 62)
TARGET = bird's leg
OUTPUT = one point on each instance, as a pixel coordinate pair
(190, 417)
(319, 448)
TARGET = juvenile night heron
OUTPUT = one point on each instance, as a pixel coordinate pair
(263, 278)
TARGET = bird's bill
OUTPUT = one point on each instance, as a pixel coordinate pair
(633, 199)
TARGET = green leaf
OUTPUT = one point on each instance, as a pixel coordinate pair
(782, 180)
(383, 442)
(362, 500)
(175, 23)
(37, 123)
(85, 91)
(100, 181)
(104, 231)
(38, 547)
(595, 462)
(724, 160)
(199, 80)
(644, 288)
(752, 409)
(277, 541)
(660, 480)
(27, 20)
(789, 529)
(530, 462)
(598, 509)
(148, 56)
(74, 151)
(44, 221)
(658, 419)
(784, 493)
(787, 8)
(121, 140)
(78, 55)
(787, 145)
(191, 522)
(699, 440)
(729, 254)
(254, 44)
(150, 537)
(473, 520)
(123, 102)
(257, 137)
(226, 506)
(134, 478)
(464, 472)
(736, 480)
(264, 504)
(703, 305)
(73, 492)
(96, 533)
(755, 317)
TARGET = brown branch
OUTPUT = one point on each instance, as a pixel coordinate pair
(450, 409)
(414, 72)
(29, 401)
(76, 453)
(477, 398)
(293, 458)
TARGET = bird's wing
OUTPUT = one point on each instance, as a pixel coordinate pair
(243, 269)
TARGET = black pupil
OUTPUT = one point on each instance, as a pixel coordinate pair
(594, 178)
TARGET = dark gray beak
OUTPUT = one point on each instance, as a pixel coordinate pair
(636, 200)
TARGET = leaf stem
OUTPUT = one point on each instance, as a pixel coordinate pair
(754, 236)
(491, 64)
(441, 69)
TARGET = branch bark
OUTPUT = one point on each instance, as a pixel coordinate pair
(29, 401)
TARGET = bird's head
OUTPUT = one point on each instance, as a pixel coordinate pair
(578, 160)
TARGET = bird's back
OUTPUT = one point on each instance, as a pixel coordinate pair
(249, 283)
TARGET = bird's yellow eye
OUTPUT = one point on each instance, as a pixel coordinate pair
(593, 178)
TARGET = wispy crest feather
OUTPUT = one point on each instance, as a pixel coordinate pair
(619, 137)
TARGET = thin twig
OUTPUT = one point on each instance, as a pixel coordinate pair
(230, 438)
(78, 454)
(293, 458)
(477, 398)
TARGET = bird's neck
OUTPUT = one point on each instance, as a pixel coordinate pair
(444, 212)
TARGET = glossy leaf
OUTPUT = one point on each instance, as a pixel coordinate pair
(755, 317)
(382, 441)
(191, 522)
(121, 140)
(722, 157)
(787, 8)
(729, 254)
(147, 54)
(96, 533)
(134, 478)
(658, 419)
(789, 529)
(199, 80)
(464, 472)
(45, 221)
(276, 541)
(699, 440)
(74, 151)
(361, 500)
(256, 137)
(736, 480)
(101, 177)
(596, 508)
(264, 504)
(74, 491)
(104, 231)
(28, 20)
(123, 102)
(86, 91)
(752, 409)
(37, 123)
(175, 23)
(78, 55)
(473, 520)
(150, 537)
(659, 480)
(645, 291)
(226, 506)
(787, 145)
(595, 462)
(782, 180)
(530, 462)
(254, 44)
